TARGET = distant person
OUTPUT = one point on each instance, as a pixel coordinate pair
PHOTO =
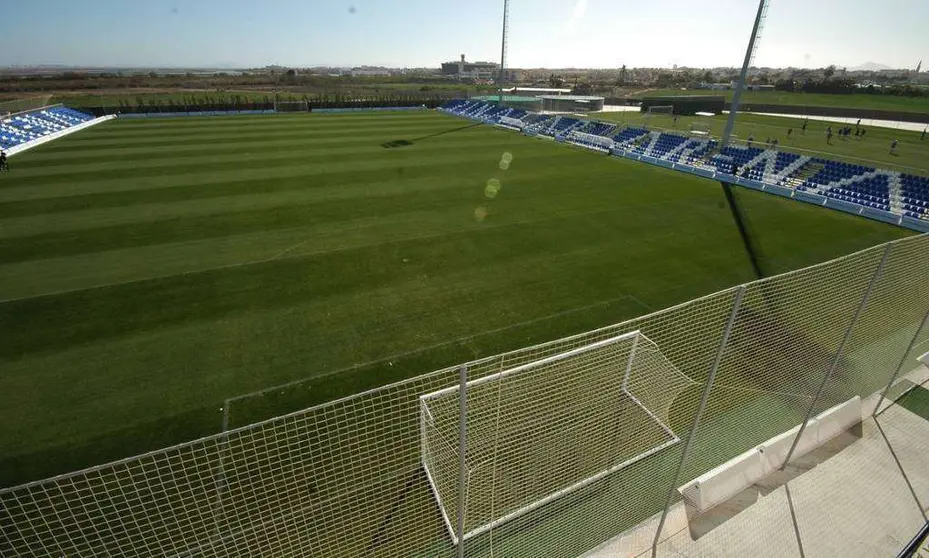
(858, 123)
(863, 130)
(751, 138)
(775, 143)
(893, 147)
(829, 135)
(4, 166)
(803, 126)
(857, 133)
(923, 135)
(789, 132)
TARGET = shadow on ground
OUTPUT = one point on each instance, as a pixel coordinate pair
(404, 143)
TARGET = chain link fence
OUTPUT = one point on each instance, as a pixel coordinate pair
(550, 450)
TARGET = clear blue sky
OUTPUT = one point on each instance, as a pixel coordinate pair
(551, 33)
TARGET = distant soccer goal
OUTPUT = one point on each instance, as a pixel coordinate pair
(701, 129)
(659, 111)
(291, 106)
(542, 430)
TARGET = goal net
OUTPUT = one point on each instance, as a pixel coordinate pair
(542, 430)
(701, 129)
(666, 111)
(291, 106)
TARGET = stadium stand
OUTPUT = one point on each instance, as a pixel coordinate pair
(30, 126)
(628, 136)
(914, 196)
(590, 141)
(664, 145)
(835, 173)
(731, 159)
(700, 152)
(602, 129)
(557, 126)
(898, 194)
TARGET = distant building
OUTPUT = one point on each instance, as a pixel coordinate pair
(370, 71)
(470, 70)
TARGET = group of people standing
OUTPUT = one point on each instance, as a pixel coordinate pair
(846, 132)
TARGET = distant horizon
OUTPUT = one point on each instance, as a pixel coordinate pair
(582, 34)
(865, 67)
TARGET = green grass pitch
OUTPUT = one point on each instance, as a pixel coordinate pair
(149, 270)
(861, 101)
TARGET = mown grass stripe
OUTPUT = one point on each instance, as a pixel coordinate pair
(182, 162)
(129, 182)
(383, 254)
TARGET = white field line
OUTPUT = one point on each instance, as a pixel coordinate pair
(398, 356)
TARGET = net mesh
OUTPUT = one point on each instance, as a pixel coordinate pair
(666, 110)
(291, 106)
(543, 429)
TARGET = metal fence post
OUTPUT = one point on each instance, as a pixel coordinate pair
(906, 353)
(737, 303)
(462, 454)
(838, 353)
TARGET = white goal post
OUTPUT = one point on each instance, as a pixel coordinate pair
(547, 428)
(291, 106)
(659, 110)
(700, 129)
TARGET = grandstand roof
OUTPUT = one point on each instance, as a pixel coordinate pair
(535, 90)
(572, 97)
(507, 98)
(684, 97)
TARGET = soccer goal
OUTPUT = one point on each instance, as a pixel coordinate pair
(700, 129)
(544, 429)
(291, 106)
(666, 111)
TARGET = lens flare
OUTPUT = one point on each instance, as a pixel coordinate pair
(492, 188)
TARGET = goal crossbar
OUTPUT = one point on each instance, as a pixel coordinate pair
(531, 365)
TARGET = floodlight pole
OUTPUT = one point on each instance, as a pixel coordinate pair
(740, 85)
(500, 78)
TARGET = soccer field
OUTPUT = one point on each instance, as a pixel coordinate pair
(150, 270)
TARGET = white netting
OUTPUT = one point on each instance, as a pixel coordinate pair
(653, 380)
(291, 106)
(541, 430)
(656, 110)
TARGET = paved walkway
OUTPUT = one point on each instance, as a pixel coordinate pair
(864, 493)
